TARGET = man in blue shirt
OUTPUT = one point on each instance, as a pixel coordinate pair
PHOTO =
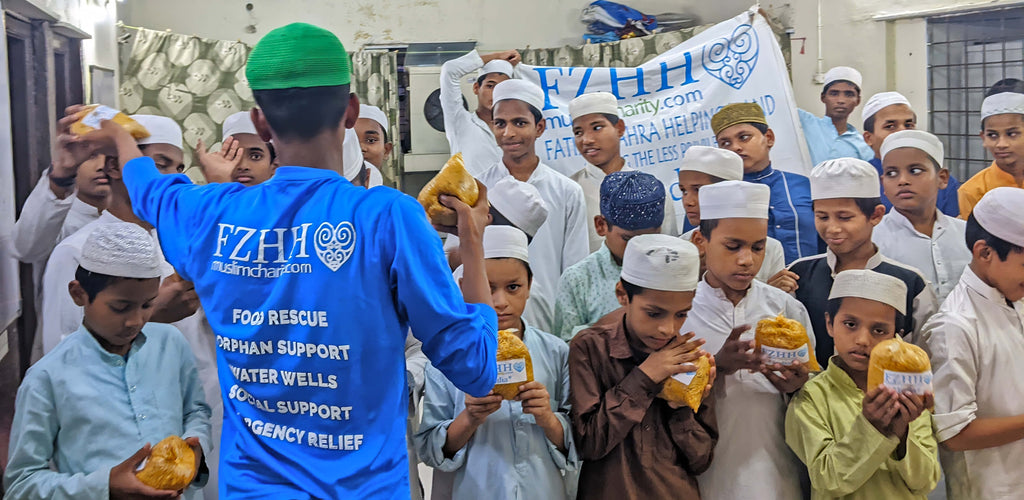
(743, 129)
(311, 284)
(889, 112)
(831, 136)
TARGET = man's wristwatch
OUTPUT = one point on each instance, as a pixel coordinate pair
(64, 182)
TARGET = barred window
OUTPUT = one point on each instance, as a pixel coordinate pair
(966, 55)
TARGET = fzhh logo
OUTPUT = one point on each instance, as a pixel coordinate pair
(334, 244)
(732, 60)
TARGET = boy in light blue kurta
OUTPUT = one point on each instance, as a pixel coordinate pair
(632, 203)
(831, 136)
(499, 449)
(115, 386)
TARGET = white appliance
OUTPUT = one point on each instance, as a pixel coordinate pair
(429, 148)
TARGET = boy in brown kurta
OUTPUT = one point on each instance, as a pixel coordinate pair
(634, 444)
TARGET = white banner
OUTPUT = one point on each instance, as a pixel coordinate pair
(667, 103)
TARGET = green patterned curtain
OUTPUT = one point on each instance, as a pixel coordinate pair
(375, 81)
(199, 82)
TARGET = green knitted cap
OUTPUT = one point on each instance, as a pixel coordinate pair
(298, 55)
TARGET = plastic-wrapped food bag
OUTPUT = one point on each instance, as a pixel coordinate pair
(785, 341)
(515, 367)
(453, 180)
(93, 115)
(900, 365)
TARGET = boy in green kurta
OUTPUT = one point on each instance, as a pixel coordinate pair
(862, 442)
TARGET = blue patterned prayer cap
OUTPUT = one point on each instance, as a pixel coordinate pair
(633, 200)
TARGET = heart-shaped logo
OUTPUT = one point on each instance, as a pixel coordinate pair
(732, 59)
(334, 244)
(519, 366)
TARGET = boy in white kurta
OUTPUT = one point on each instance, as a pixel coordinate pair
(469, 132)
(751, 458)
(597, 129)
(562, 240)
(60, 315)
(69, 195)
(976, 343)
(703, 165)
(886, 113)
(915, 232)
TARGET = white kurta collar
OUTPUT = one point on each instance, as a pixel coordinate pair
(537, 175)
(107, 218)
(705, 288)
(988, 292)
(479, 122)
(84, 208)
(903, 222)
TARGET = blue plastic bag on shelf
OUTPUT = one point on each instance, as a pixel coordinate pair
(603, 17)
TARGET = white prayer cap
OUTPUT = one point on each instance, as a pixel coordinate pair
(375, 178)
(520, 203)
(497, 66)
(871, 285)
(715, 162)
(661, 262)
(917, 139)
(120, 249)
(998, 212)
(238, 123)
(882, 100)
(734, 200)
(1001, 104)
(520, 90)
(604, 103)
(843, 178)
(162, 130)
(351, 155)
(502, 242)
(843, 73)
(374, 113)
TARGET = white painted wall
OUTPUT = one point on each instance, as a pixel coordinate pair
(850, 36)
(97, 18)
(10, 294)
(496, 25)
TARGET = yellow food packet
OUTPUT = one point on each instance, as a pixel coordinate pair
(515, 367)
(453, 180)
(171, 465)
(900, 365)
(687, 388)
(95, 114)
(785, 341)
